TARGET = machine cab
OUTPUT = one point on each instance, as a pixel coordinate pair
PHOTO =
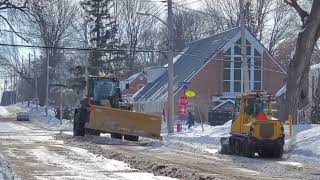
(253, 104)
(102, 89)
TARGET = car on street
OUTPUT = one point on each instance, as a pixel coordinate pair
(23, 116)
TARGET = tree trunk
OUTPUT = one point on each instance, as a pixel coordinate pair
(300, 64)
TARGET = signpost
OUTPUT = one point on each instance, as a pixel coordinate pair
(183, 104)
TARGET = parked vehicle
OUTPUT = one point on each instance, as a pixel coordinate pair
(23, 116)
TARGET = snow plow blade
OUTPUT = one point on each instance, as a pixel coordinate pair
(112, 120)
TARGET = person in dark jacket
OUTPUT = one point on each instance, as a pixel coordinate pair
(190, 121)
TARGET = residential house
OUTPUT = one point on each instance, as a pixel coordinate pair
(213, 68)
(139, 80)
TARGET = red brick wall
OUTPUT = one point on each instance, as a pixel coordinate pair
(209, 80)
(134, 85)
(206, 83)
(272, 81)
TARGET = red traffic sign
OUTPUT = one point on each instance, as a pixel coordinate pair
(183, 110)
(183, 101)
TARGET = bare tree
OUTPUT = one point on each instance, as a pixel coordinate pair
(49, 23)
(269, 20)
(15, 5)
(187, 27)
(300, 64)
(283, 25)
(134, 26)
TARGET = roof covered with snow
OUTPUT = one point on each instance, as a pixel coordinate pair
(153, 73)
(281, 91)
(150, 73)
(224, 104)
(187, 63)
(129, 80)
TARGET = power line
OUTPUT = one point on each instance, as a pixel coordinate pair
(185, 4)
(75, 48)
(141, 50)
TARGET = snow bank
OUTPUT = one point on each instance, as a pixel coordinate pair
(195, 139)
(5, 169)
(306, 143)
(4, 112)
(38, 116)
(210, 135)
(49, 121)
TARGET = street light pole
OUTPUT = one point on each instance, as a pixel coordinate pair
(170, 122)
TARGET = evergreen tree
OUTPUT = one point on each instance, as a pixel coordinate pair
(103, 35)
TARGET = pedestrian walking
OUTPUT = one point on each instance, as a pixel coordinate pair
(190, 121)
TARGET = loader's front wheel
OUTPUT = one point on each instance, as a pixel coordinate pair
(249, 150)
(131, 138)
(116, 136)
(278, 151)
(78, 123)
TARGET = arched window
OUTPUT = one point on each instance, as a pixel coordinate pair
(233, 75)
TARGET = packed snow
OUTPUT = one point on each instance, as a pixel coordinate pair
(4, 112)
(5, 169)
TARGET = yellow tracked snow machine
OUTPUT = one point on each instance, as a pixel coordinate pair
(104, 110)
(254, 129)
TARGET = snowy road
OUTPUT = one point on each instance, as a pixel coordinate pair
(38, 153)
(203, 166)
(35, 154)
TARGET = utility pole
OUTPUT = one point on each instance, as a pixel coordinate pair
(170, 122)
(61, 105)
(23, 72)
(16, 87)
(36, 78)
(11, 87)
(29, 64)
(87, 57)
(36, 84)
(61, 97)
(47, 83)
(245, 72)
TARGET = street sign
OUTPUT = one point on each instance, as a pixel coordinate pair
(190, 93)
(183, 105)
(184, 84)
(183, 110)
(183, 101)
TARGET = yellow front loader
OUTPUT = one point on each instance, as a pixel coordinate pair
(254, 129)
(104, 111)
